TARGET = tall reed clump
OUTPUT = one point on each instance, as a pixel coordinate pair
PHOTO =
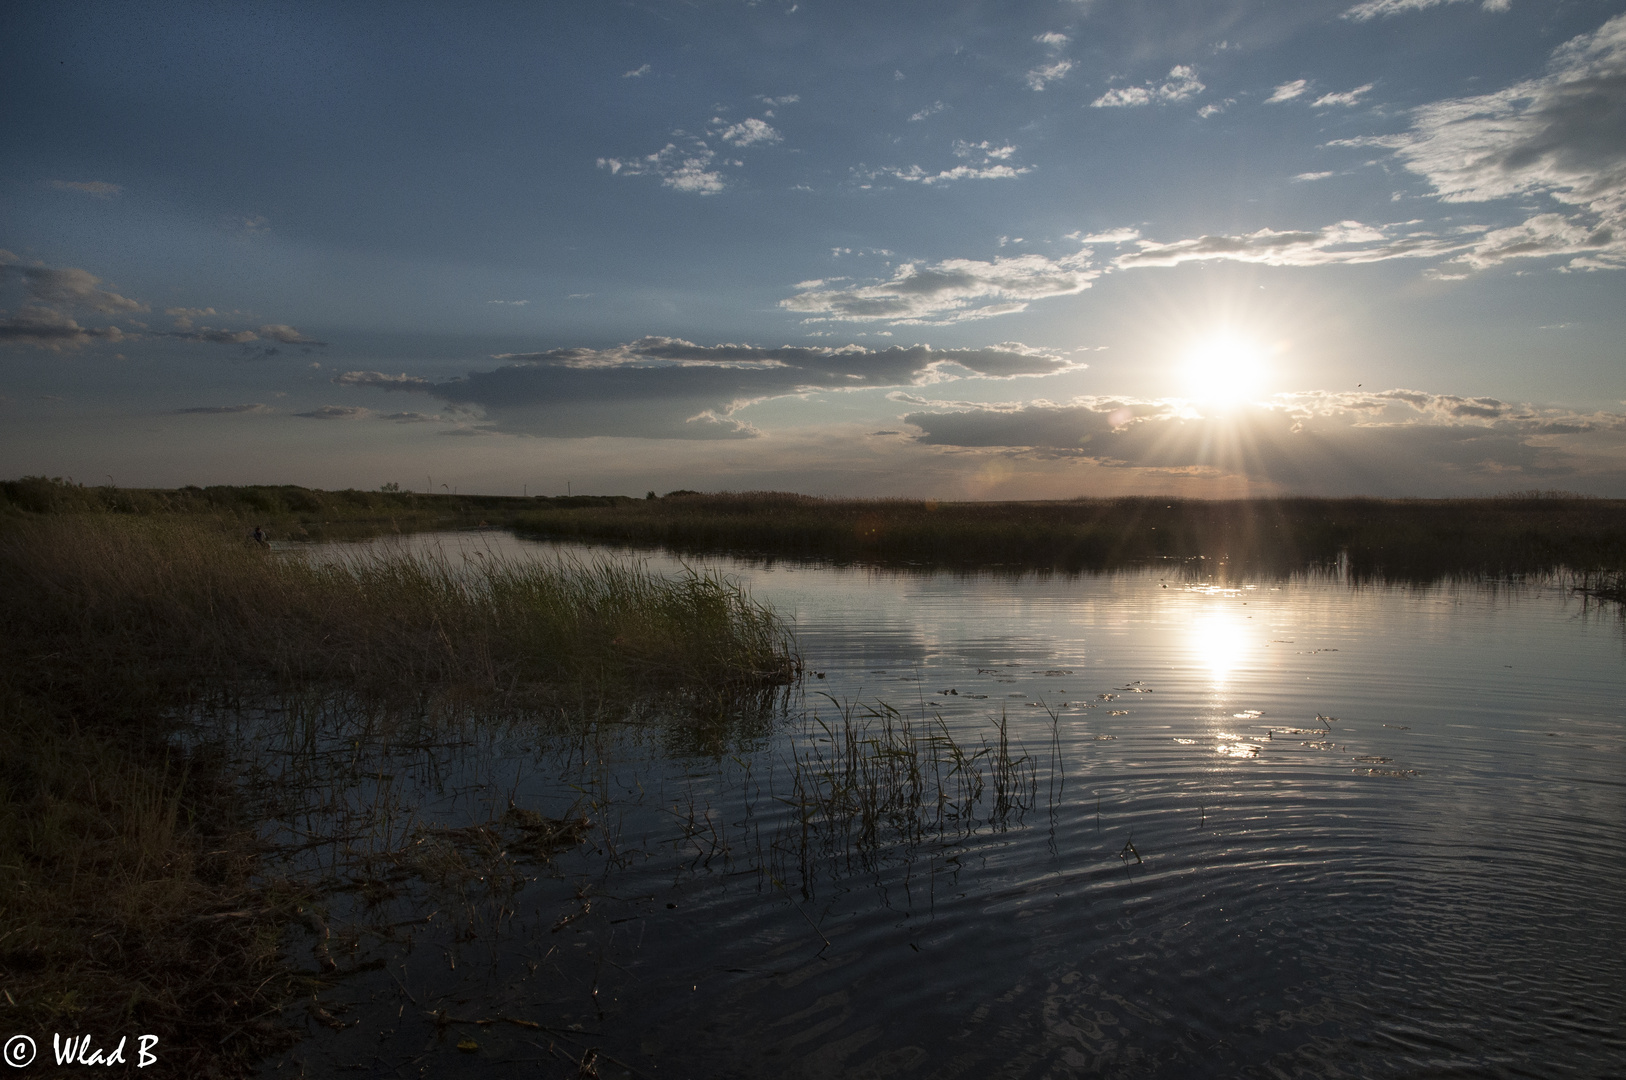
(160, 604)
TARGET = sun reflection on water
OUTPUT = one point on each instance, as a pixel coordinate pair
(1218, 640)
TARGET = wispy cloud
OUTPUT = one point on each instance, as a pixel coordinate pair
(1288, 91)
(96, 189)
(637, 72)
(1373, 9)
(931, 110)
(1346, 98)
(381, 381)
(1181, 84)
(951, 290)
(225, 410)
(687, 168)
(746, 132)
(984, 161)
(337, 412)
(1044, 74)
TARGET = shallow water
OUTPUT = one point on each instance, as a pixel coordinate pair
(1291, 828)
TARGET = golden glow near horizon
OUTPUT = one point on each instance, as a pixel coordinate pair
(1223, 368)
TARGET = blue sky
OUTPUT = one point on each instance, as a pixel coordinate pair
(961, 250)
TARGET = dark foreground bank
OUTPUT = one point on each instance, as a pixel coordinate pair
(134, 892)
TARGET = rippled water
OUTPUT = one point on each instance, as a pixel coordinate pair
(1293, 828)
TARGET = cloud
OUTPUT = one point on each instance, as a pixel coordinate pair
(46, 328)
(1348, 97)
(224, 409)
(65, 287)
(1398, 441)
(775, 102)
(1054, 38)
(1562, 135)
(1288, 91)
(951, 290)
(379, 380)
(687, 169)
(337, 412)
(96, 189)
(637, 72)
(1344, 243)
(987, 161)
(1038, 77)
(660, 387)
(413, 418)
(1214, 108)
(288, 335)
(1182, 84)
(747, 132)
(1373, 9)
(1307, 176)
(930, 110)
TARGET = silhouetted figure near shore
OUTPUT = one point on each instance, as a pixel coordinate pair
(260, 537)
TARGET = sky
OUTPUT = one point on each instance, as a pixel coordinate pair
(953, 250)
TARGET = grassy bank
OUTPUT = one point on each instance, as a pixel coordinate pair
(133, 895)
(1411, 539)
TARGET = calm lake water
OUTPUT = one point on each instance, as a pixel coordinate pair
(1284, 829)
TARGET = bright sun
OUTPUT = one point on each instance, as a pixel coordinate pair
(1224, 369)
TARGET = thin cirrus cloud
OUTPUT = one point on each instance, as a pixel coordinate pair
(1181, 85)
(661, 387)
(1393, 441)
(1344, 99)
(96, 189)
(1376, 9)
(1288, 91)
(224, 410)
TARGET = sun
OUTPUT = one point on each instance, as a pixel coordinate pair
(1223, 369)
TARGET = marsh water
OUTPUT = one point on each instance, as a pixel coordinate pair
(1269, 828)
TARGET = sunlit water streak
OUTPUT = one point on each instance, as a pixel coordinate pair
(1290, 828)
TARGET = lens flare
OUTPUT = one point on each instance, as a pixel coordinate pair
(1224, 369)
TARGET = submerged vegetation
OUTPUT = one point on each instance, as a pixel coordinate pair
(1397, 539)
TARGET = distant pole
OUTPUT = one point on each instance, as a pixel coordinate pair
(567, 487)
(526, 488)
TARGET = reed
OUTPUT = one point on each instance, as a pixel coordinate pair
(1394, 539)
(869, 782)
(127, 898)
(173, 605)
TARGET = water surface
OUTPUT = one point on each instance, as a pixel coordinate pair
(1286, 828)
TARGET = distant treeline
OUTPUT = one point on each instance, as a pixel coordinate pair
(1401, 539)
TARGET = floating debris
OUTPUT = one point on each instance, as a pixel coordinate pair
(1399, 727)
(1105, 738)
(1057, 671)
(1106, 697)
(1405, 773)
(1185, 742)
(1250, 714)
(1119, 712)
(1322, 745)
(1374, 759)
